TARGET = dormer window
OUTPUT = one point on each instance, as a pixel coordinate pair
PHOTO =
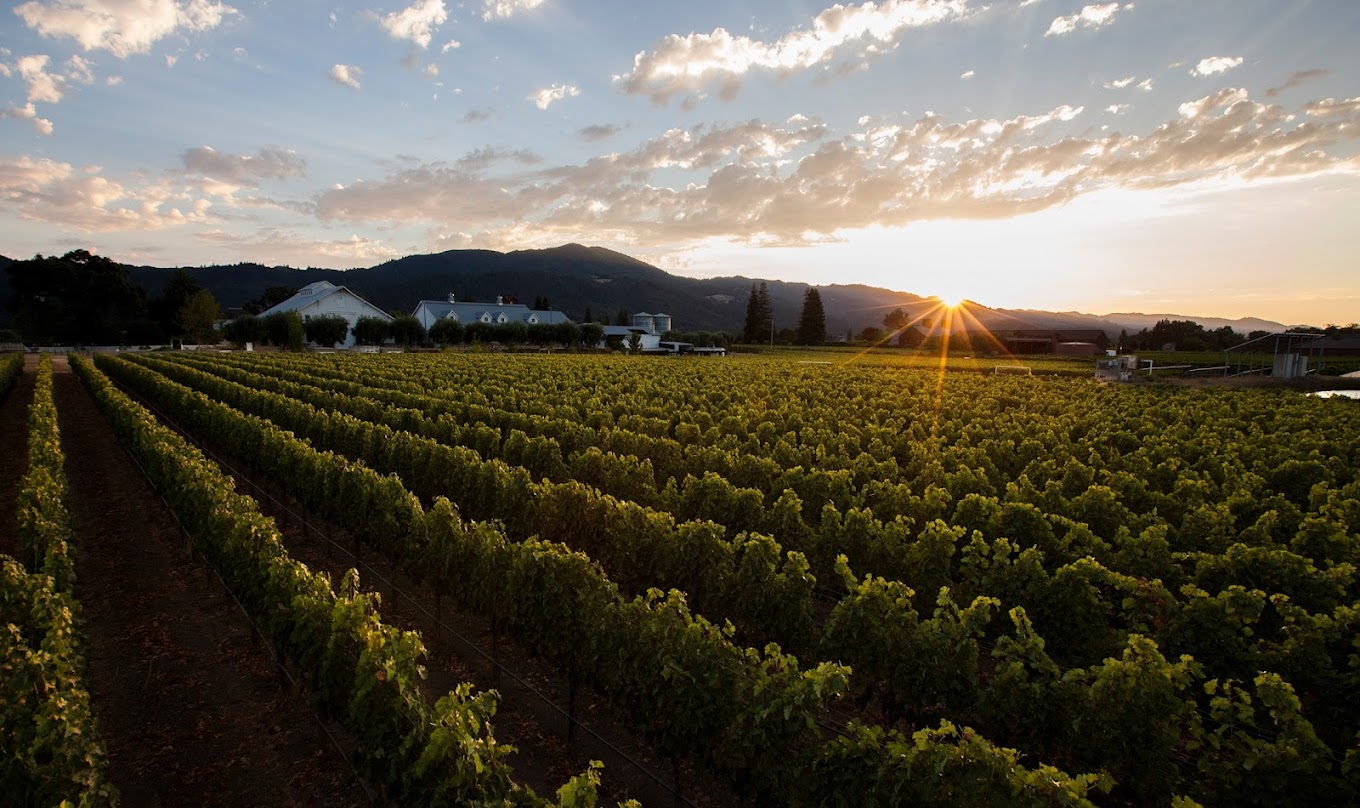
(502, 319)
(453, 315)
(486, 317)
(533, 319)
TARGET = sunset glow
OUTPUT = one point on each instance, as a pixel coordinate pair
(1052, 154)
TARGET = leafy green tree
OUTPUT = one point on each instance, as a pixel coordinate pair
(197, 318)
(896, 320)
(591, 334)
(872, 335)
(812, 323)
(371, 330)
(407, 330)
(447, 331)
(246, 328)
(77, 298)
(283, 329)
(165, 310)
(326, 330)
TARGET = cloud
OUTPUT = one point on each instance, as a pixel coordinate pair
(1145, 85)
(968, 74)
(121, 27)
(797, 182)
(689, 65)
(1119, 84)
(279, 246)
(1117, 109)
(544, 97)
(1094, 16)
(347, 75)
(1330, 107)
(84, 200)
(416, 22)
(597, 132)
(450, 45)
(28, 112)
(476, 116)
(43, 87)
(505, 9)
(1214, 65)
(244, 169)
(1296, 80)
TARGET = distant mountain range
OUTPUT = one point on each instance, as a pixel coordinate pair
(574, 277)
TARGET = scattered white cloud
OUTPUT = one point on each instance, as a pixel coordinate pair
(79, 70)
(347, 75)
(1093, 16)
(244, 169)
(1117, 109)
(1214, 65)
(795, 182)
(170, 59)
(82, 199)
(113, 81)
(688, 65)
(416, 22)
(1329, 107)
(544, 97)
(431, 70)
(505, 9)
(968, 74)
(28, 112)
(121, 27)
(1119, 84)
(450, 45)
(43, 87)
(1145, 85)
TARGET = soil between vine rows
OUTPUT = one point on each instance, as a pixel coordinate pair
(545, 759)
(190, 707)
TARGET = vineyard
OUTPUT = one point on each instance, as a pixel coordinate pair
(850, 584)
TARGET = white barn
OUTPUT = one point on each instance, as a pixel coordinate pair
(429, 312)
(322, 297)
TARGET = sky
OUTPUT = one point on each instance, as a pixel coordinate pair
(1160, 156)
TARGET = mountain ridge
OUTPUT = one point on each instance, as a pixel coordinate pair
(575, 277)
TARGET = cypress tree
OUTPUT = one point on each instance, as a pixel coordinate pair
(812, 323)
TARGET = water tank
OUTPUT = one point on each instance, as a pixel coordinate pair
(662, 322)
(644, 320)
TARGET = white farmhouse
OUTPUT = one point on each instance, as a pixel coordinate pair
(322, 297)
(429, 312)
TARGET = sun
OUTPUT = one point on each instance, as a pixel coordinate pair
(950, 301)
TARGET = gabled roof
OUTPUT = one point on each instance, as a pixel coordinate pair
(472, 312)
(313, 293)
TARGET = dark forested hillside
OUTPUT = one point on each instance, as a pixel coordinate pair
(576, 278)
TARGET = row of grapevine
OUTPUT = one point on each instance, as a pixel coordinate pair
(362, 672)
(750, 714)
(1237, 555)
(747, 579)
(50, 751)
(1139, 484)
